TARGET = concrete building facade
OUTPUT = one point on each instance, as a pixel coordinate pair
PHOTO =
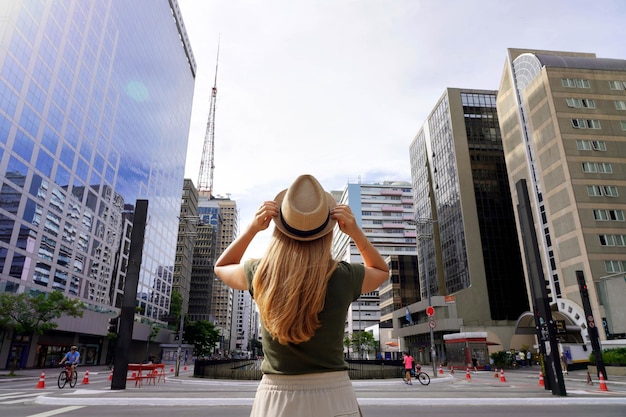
(384, 211)
(563, 121)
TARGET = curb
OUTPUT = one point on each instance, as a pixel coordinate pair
(217, 402)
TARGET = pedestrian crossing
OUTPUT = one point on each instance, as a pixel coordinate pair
(17, 397)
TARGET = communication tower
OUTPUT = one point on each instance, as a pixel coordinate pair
(205, 178)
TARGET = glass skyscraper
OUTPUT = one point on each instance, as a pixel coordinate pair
(469, 257)
(95, 102)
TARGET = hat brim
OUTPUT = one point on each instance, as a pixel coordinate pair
(278, 221)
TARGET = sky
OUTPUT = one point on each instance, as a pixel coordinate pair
(339, 88)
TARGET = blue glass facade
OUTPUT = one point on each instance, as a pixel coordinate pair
(95, 102)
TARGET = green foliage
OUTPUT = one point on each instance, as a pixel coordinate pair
(255, 344)
(501, 358)
(36, 313)
(202, 335)
(361, 342)
(615, 356)
(176, 305)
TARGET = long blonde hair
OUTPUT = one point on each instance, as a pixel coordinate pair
(290, 286)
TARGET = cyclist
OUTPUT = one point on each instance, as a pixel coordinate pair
(407, 359)
(72, 357)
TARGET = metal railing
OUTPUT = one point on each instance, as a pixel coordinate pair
(250, 369)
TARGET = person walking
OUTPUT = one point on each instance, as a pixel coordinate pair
(303, 295)
(564, 363)
(407, 359)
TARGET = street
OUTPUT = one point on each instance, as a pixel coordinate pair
(447, 395)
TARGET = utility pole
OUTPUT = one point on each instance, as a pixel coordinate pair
(188, 239)
(422, 237)
(545, 326)
(429, 310)
(120, 365)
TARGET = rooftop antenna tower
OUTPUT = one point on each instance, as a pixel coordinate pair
(205, 178)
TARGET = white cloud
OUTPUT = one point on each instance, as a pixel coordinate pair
(339, 88)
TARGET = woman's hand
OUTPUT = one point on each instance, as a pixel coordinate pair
(264, 215)
(345, 219)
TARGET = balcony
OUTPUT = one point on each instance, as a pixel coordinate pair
(385, 191)
(396, 209)
(393, 225)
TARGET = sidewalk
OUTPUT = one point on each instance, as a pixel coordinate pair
(35, 373)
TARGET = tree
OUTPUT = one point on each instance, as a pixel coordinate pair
(26, 313)
(256, 347)
(361, 342)
(176, 306)
(35, 313)
(202, 335)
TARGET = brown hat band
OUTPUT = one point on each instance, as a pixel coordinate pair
(303, 233)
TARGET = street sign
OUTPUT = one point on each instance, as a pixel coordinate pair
(590, 321)
(430, 311)
(432, 324)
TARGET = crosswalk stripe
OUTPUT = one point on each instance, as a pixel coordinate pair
(10, 394)
(16, 398)
(58, 411)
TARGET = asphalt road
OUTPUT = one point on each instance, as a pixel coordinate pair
(448, 395)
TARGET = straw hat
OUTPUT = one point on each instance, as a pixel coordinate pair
(305, 210)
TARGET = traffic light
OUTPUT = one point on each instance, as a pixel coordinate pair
(113, 322)
(582, 287)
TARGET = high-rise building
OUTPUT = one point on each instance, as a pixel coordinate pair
(187, 233)
(401, 289)
(201, 284)
(243, 322)
(563, 121)
(466, 231)
(384, 210)
(220, 214)
(95, 102)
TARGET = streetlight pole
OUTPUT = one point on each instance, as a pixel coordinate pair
(188, 242)
(421, 237)
(180, 341)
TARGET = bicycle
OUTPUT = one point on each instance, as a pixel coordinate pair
(422, 377)
(66, 376)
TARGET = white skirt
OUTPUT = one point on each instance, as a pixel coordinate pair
(324, 394)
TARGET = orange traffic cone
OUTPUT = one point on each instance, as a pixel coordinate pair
(602, 383)
(111, 375)
(502, 377)
(451, 370)
(541, 383)
(42, 381)
(172, 369)
(467, 374)
(496, 374)
(86, 377)
(185, 368)
(441, 369)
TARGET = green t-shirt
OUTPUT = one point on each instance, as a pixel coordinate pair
(324, 351)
